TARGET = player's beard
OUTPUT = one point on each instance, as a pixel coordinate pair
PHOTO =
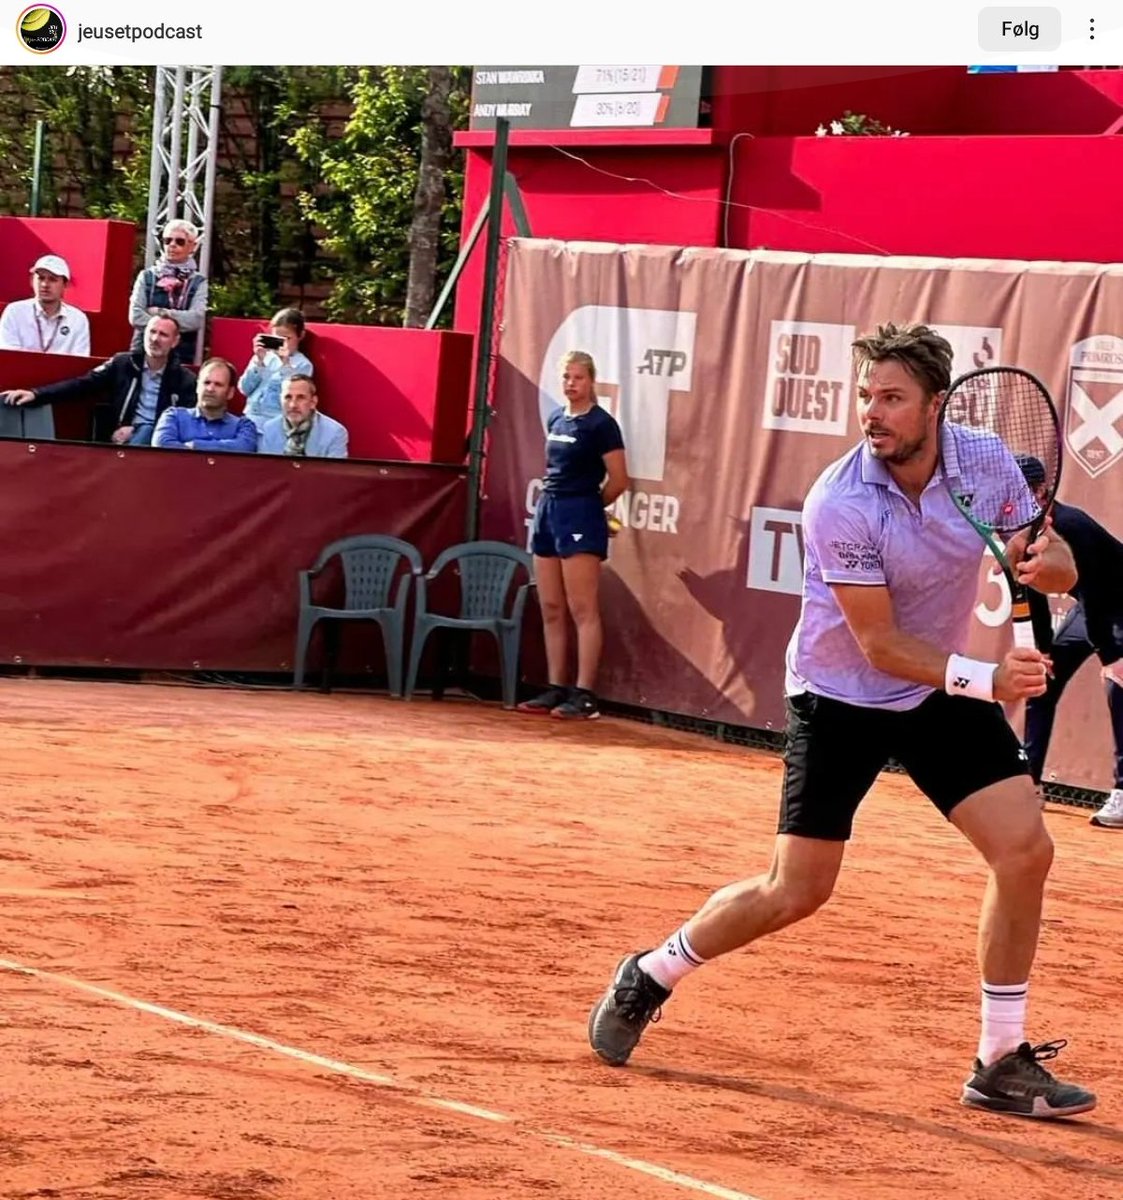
(902, 450)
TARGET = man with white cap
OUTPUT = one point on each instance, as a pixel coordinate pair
(45, 323)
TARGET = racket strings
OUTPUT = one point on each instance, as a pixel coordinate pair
(1005, 412)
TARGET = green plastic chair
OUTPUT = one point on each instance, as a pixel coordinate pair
(371, 563)
(487, 571)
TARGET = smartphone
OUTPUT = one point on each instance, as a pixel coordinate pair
(270, 341)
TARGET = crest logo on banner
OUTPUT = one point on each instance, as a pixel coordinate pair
(1094, 411)
(646, 354)
(809, 377)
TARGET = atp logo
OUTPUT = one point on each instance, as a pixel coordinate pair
(1095, 402)
(645, 355)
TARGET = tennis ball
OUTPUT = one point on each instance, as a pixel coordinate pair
(36, 19)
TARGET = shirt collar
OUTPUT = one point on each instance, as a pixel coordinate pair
(876, 472)
(198, 412)
(61, 315)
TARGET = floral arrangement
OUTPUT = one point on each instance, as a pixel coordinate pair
(859, 125)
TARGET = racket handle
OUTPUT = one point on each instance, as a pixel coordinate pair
(1023, 633)
(1022, 618)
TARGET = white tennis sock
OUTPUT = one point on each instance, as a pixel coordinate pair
(674, 960)
(1004, 1019)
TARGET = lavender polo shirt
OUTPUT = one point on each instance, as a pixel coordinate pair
(859, 527)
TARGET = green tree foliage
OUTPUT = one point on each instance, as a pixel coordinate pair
(99, 129)
(317, 174)
(367, 179)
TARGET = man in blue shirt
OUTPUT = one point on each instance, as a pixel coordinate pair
(208, 426)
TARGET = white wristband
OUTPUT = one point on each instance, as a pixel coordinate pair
(969, 677)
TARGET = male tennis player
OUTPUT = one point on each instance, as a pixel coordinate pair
(1094, 625)
(874, 672)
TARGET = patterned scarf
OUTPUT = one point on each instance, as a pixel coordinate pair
(175, 279)
(296, 436)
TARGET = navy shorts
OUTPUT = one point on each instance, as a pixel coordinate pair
(567, 525)
(951, 746)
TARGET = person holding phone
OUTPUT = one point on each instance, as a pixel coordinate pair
(276, 358)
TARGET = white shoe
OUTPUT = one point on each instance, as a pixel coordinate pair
(1111, 815)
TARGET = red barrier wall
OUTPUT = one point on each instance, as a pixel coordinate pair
(932, 196)
(402, 393)
(174, 560)
(612, 195)
(29, 369)
(100, 254)
(791, 101)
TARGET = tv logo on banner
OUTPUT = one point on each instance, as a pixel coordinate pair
(1095, 402)
(776, 550)
(809, 378)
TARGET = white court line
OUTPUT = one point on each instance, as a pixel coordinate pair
(675, 1178)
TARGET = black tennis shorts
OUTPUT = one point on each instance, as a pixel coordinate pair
(949, 745)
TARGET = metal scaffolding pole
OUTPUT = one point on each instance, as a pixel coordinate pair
(181, 180)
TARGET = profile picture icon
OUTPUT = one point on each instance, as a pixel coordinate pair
(41, 28)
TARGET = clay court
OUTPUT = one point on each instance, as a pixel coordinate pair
(260, 945)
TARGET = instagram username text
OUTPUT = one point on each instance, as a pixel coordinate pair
(138, 33)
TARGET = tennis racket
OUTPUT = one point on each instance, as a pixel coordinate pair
(1009, 413)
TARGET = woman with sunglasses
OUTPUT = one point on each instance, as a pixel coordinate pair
(175, 285)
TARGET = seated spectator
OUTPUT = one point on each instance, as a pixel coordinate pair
(44, 322)
(134, 388)
(174, 284)
(271, 366)
(302, 430)
(208, 426)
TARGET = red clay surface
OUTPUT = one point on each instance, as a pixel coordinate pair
(438, 892)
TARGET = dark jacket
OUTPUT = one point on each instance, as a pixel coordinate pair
(1099, 583)
(116, 385)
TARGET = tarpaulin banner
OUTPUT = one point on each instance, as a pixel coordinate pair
(730, 373)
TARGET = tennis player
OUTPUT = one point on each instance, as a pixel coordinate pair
(1094, 625)
(586, 470)
(874, 671)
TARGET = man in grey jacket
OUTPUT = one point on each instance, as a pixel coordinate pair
(302, 430)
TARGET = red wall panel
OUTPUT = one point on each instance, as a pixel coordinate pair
(402, 393)
(1008, 197)
(175, 560)
(100, 255)
(596, 195)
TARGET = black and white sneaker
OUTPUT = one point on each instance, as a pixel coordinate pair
(633, 1000)
(581, 706)
(1018, 1084)
(545, 702)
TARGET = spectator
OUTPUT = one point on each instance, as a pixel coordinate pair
(301, 429)
(134, 387)
(174, 284)
(209, 425)
(271, 365)
(45, 323)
